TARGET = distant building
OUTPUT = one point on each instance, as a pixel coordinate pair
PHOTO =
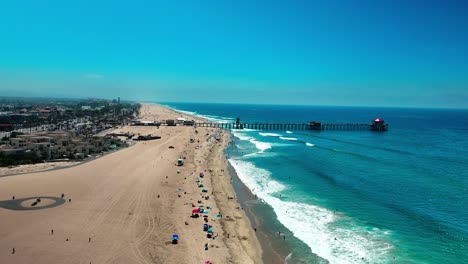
(181, 120)
(378, 124)
(57, 145)
(6, 127)
(171, 122)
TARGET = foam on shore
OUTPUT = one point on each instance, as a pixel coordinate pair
(269, 134)
(315, 226)
(288, 138)
(211, 118)
(312, 224)
(262, 146)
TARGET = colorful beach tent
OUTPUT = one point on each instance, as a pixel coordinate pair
(195, 211)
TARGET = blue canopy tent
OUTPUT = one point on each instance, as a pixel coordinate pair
(175, 239)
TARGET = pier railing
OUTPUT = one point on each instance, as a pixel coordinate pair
(297, 126)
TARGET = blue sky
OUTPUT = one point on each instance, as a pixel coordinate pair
(369, 53)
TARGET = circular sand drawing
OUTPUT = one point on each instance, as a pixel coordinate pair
(32, 203)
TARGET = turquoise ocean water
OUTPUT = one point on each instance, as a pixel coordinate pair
(358, 197)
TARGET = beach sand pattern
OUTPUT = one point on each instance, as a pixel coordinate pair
(126, 206)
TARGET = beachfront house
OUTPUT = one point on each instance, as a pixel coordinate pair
(18, 142)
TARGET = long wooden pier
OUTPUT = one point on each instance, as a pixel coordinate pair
(299, 126)
(376, 125)
(259, 126)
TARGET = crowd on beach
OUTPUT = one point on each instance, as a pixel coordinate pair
(204, 207)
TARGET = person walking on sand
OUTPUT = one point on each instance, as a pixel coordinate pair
(13, 252)
(89, 240)
(52, 232)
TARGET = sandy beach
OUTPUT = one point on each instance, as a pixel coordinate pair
(124, 207)
(28, 168)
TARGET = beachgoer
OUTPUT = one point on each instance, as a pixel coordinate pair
(13, 197)
(89, 240)
(69, 200)
(13, 252)
(255, 229)
(52, 232)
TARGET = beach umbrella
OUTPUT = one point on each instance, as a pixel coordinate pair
(175, 237)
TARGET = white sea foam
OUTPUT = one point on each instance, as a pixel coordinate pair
(262, 146)
(288, 138)
(289, 132)
(211, 118)
(256, 179)
(309, 144)
(269, 134)
(250, 155)
(186, 112)
(314, 225)
(217, 119)
(240, 135)
(288, 258)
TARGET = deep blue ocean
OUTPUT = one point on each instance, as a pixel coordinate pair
(358, 196)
